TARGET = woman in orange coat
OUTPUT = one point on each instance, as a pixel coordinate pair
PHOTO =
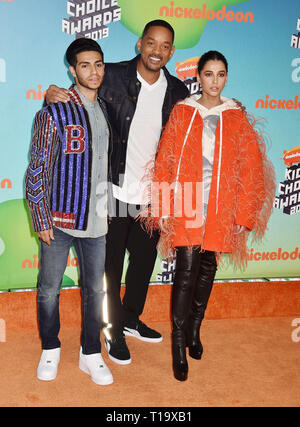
(212, 184)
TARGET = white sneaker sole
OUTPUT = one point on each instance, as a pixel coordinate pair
(47, 369)
(46, 377)
(134, 333)
(98, 381)
(113, 359)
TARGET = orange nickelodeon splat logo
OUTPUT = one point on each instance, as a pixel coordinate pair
(36, 95)
(291, 156)
(187, 68)
(288, 198)
(187, 71)
(5, 183)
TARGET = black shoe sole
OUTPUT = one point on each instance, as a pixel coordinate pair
(180, 376)
(135, 334)
(115, 359)
(196, 356)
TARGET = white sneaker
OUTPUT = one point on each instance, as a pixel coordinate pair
(93, 365)
(47, 369)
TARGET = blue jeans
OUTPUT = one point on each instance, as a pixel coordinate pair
(91, 257)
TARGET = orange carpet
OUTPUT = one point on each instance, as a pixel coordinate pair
(251, 354)
(228, 300)
(246, 362)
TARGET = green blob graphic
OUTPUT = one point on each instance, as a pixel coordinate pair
(19, 248)
(187, 31)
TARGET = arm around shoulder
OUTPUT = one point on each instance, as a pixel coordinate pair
(56, 94)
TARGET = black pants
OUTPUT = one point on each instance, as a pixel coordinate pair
(124, 232)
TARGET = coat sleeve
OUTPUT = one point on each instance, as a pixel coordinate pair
(38, 174)
(257, 179)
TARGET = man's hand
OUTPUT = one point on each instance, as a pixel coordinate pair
(57, 94)
(46, 236)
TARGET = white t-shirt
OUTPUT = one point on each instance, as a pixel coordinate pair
(142, 142)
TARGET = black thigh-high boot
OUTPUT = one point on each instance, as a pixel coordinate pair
(202, 291)
(184, 280)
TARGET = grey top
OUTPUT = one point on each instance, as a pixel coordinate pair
(97, 217)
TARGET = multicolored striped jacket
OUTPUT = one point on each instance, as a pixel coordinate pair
(58, 178)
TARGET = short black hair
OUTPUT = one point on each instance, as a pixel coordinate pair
(81, 45)
(159, 23)
(211, 55)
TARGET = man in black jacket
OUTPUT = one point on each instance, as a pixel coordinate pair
(139, 95)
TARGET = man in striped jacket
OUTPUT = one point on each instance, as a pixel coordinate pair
(66, 191)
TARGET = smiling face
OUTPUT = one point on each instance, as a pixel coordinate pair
(88, 72)
(156, 48)
(213, 78)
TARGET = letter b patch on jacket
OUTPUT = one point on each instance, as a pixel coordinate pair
(75, 139)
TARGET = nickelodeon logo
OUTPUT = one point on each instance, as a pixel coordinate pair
(273, 256)
(291, 156)
(187, 71)
(5, 183)
(204, 13)
(187, 68)
(280, 104)
(36, 94)
(35, 262)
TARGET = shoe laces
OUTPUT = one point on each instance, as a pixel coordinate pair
(142, 326)
(118, 341)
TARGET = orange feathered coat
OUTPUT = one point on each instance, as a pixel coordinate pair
(242, 185)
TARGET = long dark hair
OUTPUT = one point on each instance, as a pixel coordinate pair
(212, 55)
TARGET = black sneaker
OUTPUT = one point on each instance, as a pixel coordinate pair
(117, 350)
(142, 332)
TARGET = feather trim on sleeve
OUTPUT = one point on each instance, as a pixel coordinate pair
(263, 188)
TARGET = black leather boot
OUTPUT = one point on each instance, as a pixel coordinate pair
(202, 291)
(180, 365)
(184, 280)
(193, 339)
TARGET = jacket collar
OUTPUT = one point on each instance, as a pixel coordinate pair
(74, 96)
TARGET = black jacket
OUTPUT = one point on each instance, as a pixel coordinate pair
(120, 90)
